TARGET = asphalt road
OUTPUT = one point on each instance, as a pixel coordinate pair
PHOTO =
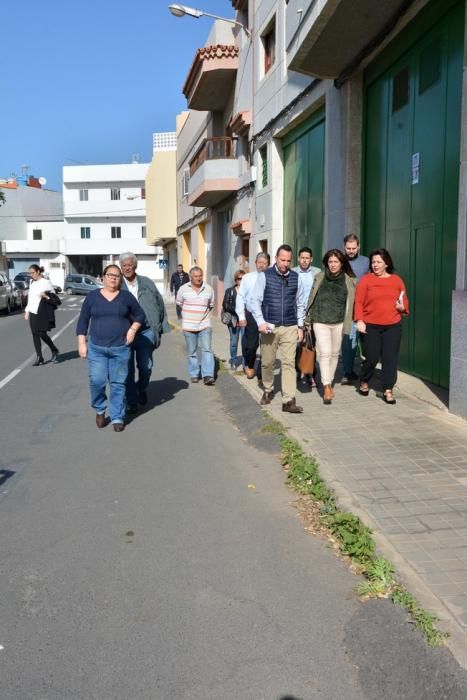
(166, 562)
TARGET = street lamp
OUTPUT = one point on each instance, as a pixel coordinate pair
(182, 10)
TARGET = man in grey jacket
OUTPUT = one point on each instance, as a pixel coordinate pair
(149, 336)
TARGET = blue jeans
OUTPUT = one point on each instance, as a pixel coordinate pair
(199, 341)
(235, 334)
(108, 365)
(140, 351)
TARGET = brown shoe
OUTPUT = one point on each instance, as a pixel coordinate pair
(250, 372)
(101, 420)
(119, 427)
(291, 407)
(332, 391)
(328, 394)
(266, 398)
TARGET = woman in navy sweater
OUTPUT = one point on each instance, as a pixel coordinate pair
(115, 317)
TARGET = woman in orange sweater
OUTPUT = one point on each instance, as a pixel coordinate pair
(380, 302)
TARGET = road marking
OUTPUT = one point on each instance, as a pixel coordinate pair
(27, 362)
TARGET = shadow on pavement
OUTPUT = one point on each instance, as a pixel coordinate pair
(5, 474)
(66, 356)
(159, 392)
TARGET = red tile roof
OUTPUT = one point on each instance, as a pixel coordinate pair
(207, 53)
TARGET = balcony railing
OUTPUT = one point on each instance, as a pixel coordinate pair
(213, 148)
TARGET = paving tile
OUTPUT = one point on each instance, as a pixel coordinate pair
(446, 589)
(436, 577)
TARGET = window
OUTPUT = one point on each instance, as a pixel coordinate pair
(116, 231)
(430, 66)
(115, 193)
(143, 193)
(400, 89)
(263, 157)
(143, 231)
(185, 182)
(83, 195)
(85, 232)
(268, 41)
(55, 265)
(37, 234)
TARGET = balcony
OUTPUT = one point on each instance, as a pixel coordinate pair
(325, 37)
(213, 172)
(211, 78)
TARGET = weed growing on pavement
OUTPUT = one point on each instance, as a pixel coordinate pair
(353, 536)
(423, 620)
(380, 584)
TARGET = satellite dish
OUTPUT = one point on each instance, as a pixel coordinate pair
(42, 181)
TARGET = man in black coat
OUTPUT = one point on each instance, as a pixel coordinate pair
(178, 278)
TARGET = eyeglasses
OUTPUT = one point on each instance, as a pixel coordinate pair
(115, 277)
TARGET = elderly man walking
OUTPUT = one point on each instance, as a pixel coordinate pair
(196, 300)
(278, 305)
(149, 336)
(250, 340)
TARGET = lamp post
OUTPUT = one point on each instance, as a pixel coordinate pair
(182, 10)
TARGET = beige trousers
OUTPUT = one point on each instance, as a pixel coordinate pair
(282, 341)
(328, 343)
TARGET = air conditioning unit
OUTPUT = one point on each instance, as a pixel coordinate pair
(253, 173)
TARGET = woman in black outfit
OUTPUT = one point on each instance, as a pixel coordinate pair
(228, 306)
(40, 312)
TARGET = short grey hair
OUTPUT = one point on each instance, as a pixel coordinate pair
(266, 257)
(196, 269)
(127, 256)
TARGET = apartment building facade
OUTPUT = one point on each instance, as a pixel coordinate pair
(32, 229)
(214, 177)
(104, 209)
(161, 202)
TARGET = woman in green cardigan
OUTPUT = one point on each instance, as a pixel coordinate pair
(330, 309)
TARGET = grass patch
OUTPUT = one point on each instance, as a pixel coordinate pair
(353, 537)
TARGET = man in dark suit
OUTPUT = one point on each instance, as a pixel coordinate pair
(178, 278)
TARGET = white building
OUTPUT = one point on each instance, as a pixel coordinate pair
(105, 215)
(32, 228)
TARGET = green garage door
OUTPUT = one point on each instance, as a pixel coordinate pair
(412, 147)
(304, 186)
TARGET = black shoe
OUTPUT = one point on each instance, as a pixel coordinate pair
(55, 359)
(209, 381)
(38, 361)
(194, 380)
(142, 398)
(266, 398)
(131, 410)
(291, 407)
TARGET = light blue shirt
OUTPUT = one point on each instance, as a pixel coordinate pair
(258, 295)
(243, 299)
(308, 277)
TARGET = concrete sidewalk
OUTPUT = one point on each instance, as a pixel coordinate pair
(403, 470)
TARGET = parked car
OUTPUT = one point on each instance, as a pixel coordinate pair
(26, 278)
(8, 295)
(81, 284)
(23, 290)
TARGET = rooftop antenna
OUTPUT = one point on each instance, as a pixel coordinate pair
(25, 169)
(135, 158)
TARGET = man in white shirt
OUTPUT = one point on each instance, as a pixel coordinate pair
(250, 341)
(307, 273)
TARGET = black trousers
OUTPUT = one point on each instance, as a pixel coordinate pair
(37, 337)
(250, 341)
(381, 342)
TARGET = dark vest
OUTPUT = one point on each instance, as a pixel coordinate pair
(280, 298)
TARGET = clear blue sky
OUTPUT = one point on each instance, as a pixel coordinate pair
(92, 80)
